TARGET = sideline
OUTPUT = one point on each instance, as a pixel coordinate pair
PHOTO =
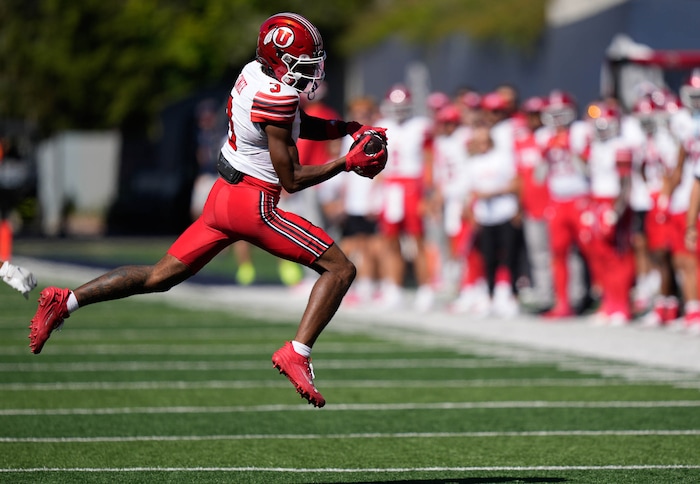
(653, 348)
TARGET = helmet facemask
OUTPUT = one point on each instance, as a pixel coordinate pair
(558, 117)
(606, 128)
(690, 96)
(304, 73)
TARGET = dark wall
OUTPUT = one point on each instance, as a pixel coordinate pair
(156, 176)
(568, 57)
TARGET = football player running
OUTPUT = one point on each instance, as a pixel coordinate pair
(257, 161)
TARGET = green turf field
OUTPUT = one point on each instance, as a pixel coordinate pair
(137, 391)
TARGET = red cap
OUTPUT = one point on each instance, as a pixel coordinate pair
(493, 101)
(533, 104)
(448, 114)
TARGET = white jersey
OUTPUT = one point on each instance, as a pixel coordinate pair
(603, 169)
(686, 127)
(488, 173)
(566, 174)
(654, 158)
(406, 146)
(503, 135)
(449, 154)
(257, 98)
(449, 164)
(362, 196)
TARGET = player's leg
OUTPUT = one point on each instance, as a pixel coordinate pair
(336, 276)
(130, 280)
(561, 241)
(540, 259)
(294, 238)
(55, 304)
(686, 266)
(190, 252)
(293, 358)
(392, 268)
(665, 303)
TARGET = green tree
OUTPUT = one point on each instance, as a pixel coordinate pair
(95, 64)
(515, 22)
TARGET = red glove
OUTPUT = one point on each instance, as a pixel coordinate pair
(363, 129)
(366, 160)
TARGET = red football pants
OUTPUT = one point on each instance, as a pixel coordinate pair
(611, 257)
(565, 230)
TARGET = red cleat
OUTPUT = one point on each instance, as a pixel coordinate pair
(558, 312)
(49, 316)
(299, 371)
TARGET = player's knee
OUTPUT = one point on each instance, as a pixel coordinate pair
(347, 272)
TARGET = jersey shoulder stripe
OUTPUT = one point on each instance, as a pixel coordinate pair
(276, 109)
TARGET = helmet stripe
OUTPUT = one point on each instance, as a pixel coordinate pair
(315, 34)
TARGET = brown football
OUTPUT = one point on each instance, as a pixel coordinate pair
(374, 145)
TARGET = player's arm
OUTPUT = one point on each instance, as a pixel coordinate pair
(675, 179)
(671, 179)
(691, 224)
(319, 129)
(294, 176)
(285, 159)
(623, 164)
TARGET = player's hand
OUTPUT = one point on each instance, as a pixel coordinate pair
(363, 129)
(367, 156)
(18, 278)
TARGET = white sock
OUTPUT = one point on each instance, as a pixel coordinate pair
(302, 349)
(72, 303)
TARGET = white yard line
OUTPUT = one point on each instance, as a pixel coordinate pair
(359, 407)
(364, 364)
(239, 384)
(368, 436)
(204, 349)
(337, 470)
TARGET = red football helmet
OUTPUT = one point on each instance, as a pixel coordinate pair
(559, 109)
(647, 112)
(437, 100)
(291, 50)
(534, 104)
(493, 101)
(605, 119)
(449, 114)
(398, 103)
(471, 99)
(690, 91)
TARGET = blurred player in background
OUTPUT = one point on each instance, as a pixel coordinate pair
(211, 132)
(492, 204)
(655, 156)
(685, 125)
(257, 161)
(607, 222)
(401, 223)
(534, 198)
(359, 202)
(448, 198)
(564, 138)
